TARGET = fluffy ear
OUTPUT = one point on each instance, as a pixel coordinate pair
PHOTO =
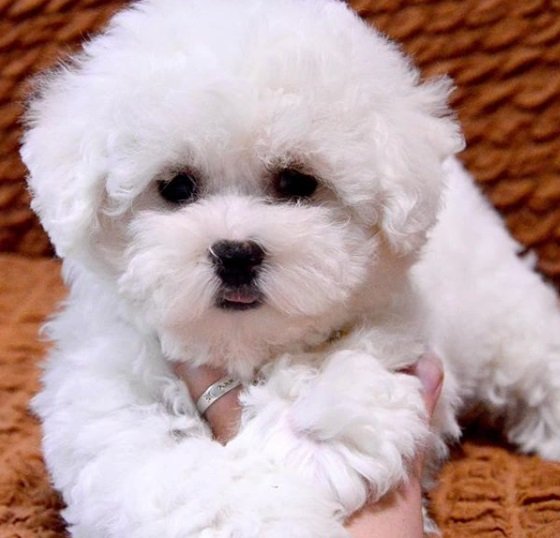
(426, 134)
(66, 164)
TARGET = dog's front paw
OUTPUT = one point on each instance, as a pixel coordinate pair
(266, 501)
(373, 419)
(351, 428)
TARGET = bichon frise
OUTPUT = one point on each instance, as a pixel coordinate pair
(268, 187)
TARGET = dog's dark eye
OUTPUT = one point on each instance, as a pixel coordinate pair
(181, 189)
(292, 184)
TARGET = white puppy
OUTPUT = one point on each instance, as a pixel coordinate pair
(267, 186)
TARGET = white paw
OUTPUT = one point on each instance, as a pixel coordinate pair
(266, 501)
(537, 430)
(352, 428)
(373, 417)
(532, 405)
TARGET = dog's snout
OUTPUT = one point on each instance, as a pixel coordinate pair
(236, 262)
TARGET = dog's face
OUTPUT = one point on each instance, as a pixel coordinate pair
(239, 170)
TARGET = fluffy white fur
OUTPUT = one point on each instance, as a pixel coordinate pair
(397, 250)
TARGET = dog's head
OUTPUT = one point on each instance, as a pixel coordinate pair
(238, 169)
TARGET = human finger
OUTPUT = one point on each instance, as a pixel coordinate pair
(429, 370)
(224, 413)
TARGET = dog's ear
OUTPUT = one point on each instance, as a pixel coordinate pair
(66, 163)
(425, 135)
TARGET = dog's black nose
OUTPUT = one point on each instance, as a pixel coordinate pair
(236, 262)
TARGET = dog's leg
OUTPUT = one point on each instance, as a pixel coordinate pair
(493, 319)
(129, 465)
(352, 427)
(125, 465)
(520, 383)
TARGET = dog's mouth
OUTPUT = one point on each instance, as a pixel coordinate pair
(245, 297)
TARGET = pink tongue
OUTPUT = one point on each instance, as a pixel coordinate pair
(240, 297)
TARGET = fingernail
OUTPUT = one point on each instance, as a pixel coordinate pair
(430, 372)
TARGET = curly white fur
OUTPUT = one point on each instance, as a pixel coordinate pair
(395, 251)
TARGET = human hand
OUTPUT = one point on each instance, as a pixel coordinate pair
(399, 514)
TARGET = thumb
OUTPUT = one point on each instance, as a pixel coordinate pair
(429, 370)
